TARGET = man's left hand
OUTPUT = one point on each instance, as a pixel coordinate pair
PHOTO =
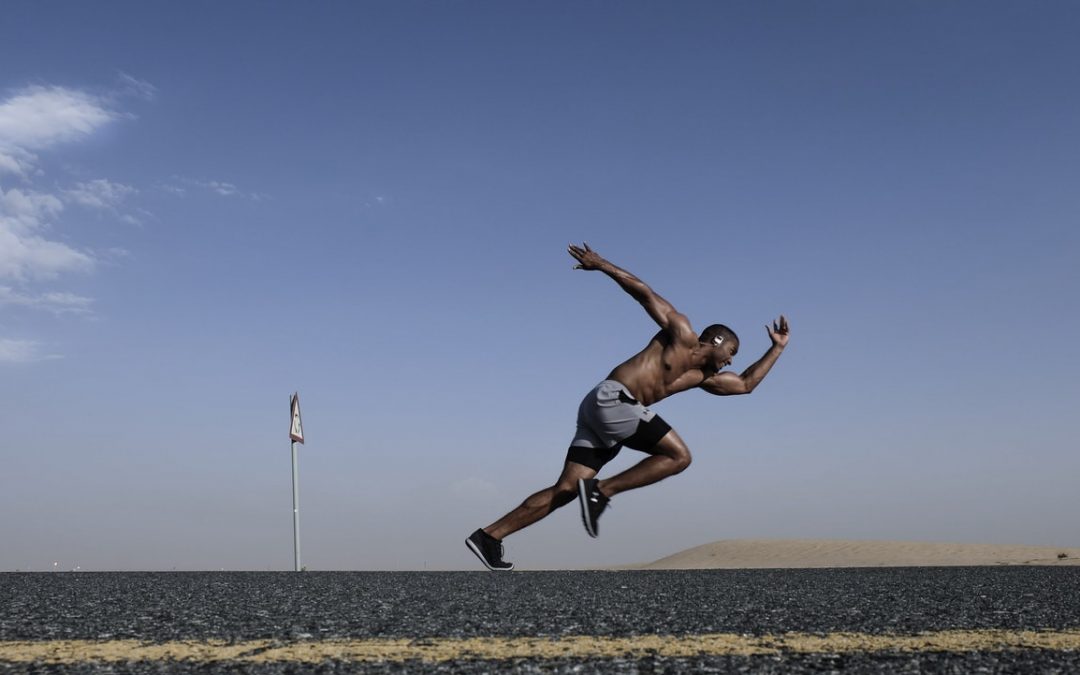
(587, 258)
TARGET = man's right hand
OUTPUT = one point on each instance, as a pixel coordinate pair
(587, 258)
(778, 333)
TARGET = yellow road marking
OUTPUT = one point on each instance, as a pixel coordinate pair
(579, 646)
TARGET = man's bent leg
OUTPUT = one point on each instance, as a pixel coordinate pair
(540, 504)
(668, 457)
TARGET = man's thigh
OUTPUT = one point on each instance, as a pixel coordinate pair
(592, 459)
(670, 445)
(573, 472)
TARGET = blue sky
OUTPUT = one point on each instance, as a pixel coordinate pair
(207, 206)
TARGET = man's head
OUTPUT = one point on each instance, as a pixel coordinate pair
(724, 344)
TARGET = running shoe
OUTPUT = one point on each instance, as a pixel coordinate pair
(593, 503)
(489, 550)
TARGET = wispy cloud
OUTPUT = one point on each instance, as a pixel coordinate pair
(22, 351)
(132, 86)
(55, 302)
(223, 189)
(99, 194)
(181, 185)
(175, 190)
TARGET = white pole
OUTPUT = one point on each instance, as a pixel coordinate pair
(295, 510)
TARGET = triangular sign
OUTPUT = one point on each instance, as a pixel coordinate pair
(296, 430)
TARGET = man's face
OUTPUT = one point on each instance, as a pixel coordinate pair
(726, 352)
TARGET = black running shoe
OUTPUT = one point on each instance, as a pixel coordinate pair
(489, 550)
(593, 503)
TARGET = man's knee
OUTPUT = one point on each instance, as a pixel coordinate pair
(672, 447)
(682, 460)
(565, 489)
(564, 493)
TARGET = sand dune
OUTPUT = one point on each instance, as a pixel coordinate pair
(790, 553)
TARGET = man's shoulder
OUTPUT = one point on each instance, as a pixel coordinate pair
(681, 333)
(677, 330)
(680, 323)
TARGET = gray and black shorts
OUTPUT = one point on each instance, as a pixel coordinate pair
(608, 418)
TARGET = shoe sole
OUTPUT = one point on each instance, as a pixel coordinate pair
(583, 497)
(473, 547)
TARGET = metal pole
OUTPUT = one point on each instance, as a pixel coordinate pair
(295, 509)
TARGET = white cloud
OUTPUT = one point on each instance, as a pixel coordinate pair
(22, 351)
(36, 258)
(55, 302)
(27, 209)
(16, 160)
(24, 253)
(39, 117)
(33, 119)
(99, 194)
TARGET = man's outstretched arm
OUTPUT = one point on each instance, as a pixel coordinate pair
(728, 384)
(661, 311)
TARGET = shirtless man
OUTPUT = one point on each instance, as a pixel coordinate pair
(614, 413)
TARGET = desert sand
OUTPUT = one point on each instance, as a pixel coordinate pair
(794, 553)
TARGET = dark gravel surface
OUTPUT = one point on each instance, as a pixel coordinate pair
(1026, 662)
(248, 605)
(320, 605)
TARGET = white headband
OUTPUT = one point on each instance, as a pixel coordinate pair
(718, 341)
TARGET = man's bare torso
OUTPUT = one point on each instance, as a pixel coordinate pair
(666, 366)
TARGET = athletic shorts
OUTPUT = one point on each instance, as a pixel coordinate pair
(608, 418)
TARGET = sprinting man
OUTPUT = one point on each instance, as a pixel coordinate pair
(614, 413)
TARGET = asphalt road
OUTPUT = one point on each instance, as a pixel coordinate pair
(473, 622)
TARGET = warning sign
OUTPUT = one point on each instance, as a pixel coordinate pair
(296, 430)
